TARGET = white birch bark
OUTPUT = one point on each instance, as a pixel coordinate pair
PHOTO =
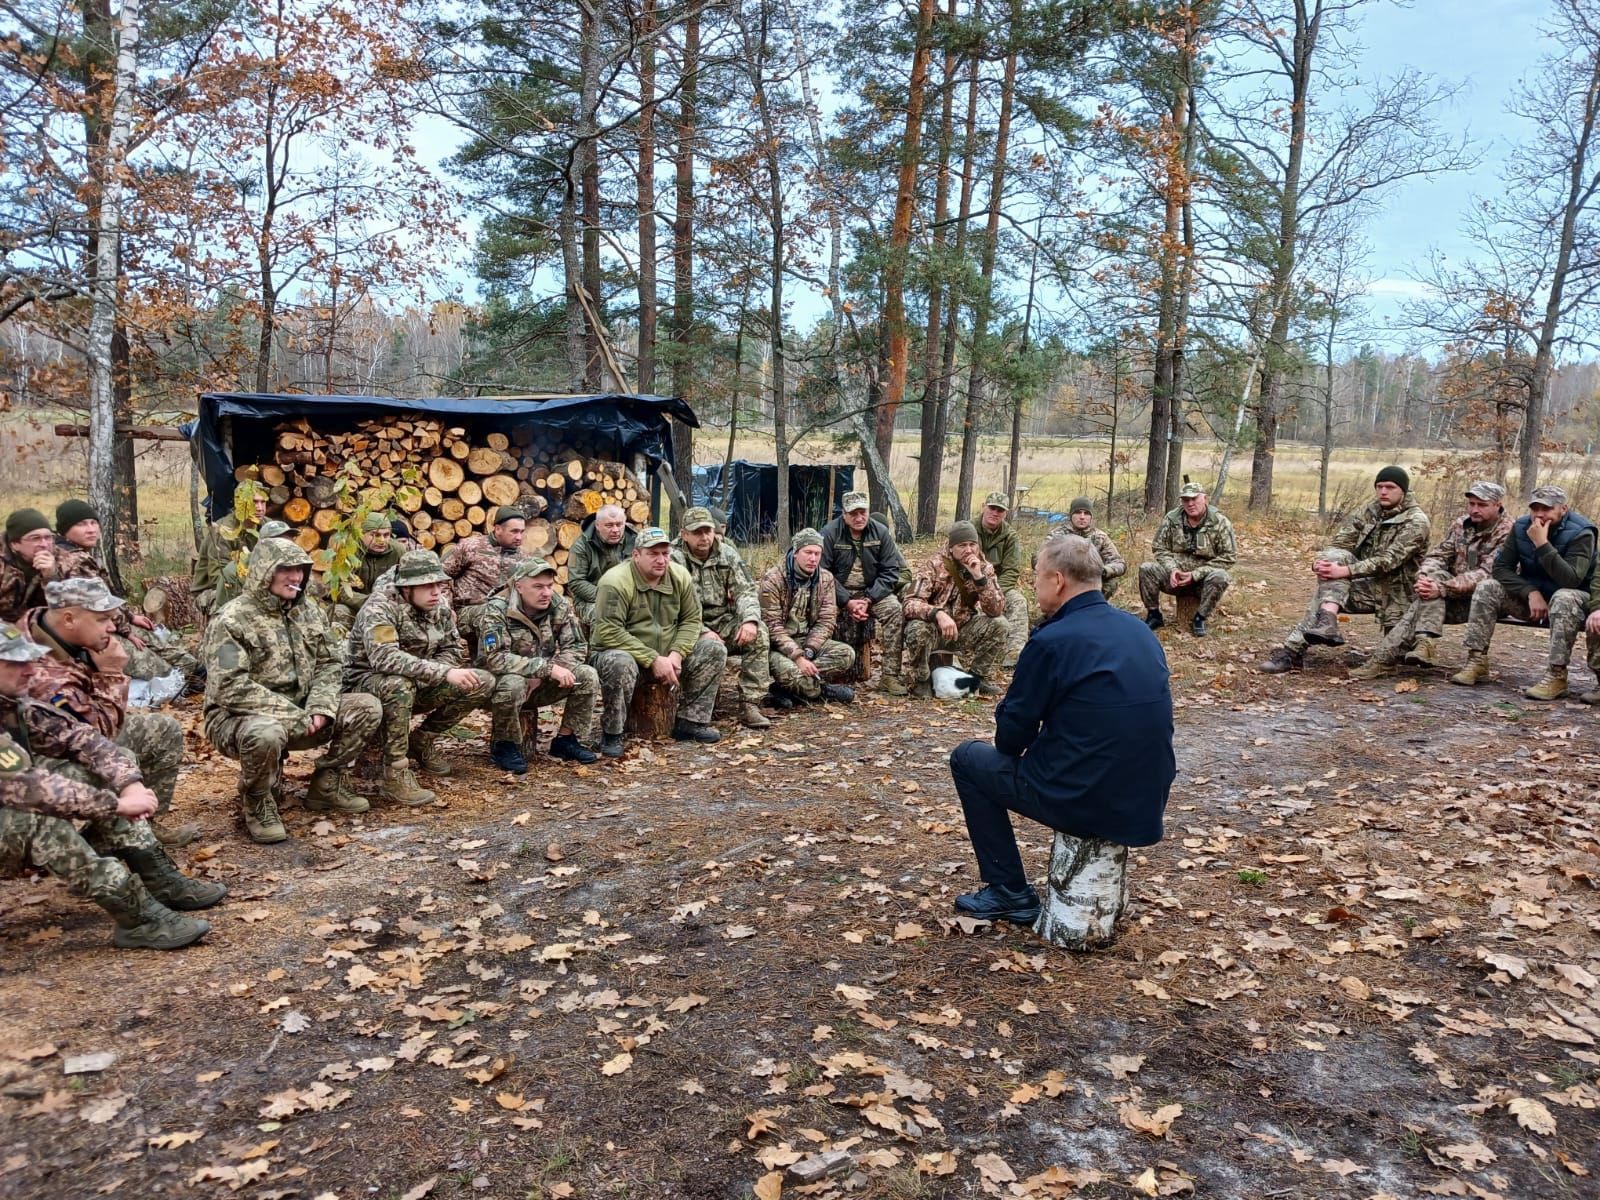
(1086, 893)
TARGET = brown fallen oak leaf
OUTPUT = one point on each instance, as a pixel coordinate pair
(684, 1003)
(1471, 1155)
(617, 1065)
(171, 1141)
(1341, 1167)
(1122, 1066)
(421, 1190)
(994, 1169)
(769, 1186)
(1155, 1124)
(1532, 1115)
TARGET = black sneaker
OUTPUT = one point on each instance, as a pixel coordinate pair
(779, 700)
(611, 745)
(693, 731)
(1198, 626)
(568, 746)
(995, 903)
(508, 756)
(838, 692)
(1154, 619)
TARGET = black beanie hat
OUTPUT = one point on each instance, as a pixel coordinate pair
(23, 522)
(1396, 476)
(70, 512)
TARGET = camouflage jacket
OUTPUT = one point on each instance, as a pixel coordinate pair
(391, 636)
(27, 788)
(799, 615)
(225, 547)
(21, 587)
(74, 562)
(513, 641)
(944, 585)
(1112, 565)
(42, 731)
(722, 582)
(270, 657)
(69, 679)
(1178, 547)
(479, 567)
(368, 571)
(646, 619)
(1003, 549)
(591, 558)
(1385, 542)
(1465, 558)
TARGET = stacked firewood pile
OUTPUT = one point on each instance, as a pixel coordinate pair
(447, 483)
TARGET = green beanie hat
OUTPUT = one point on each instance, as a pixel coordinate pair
(23, 522)
(961, 532)
(70, 512)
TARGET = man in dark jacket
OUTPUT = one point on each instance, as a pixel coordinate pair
(867, 567)
(1542, 574)
(1083, 738)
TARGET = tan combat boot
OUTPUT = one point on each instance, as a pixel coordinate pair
(1552, 687)
(401, 786)
(892, 685)
(261, 820)
(328, 793)
(1374, 668)
(751, 716)
(424, 751)
(144, 923)
(1421, 655)
(173, 835)
(1474, 671)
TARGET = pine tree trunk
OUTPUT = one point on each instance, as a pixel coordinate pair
(930, 449)
(683, 251)
(645, 372)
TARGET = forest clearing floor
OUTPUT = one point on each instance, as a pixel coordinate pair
(1363, 963)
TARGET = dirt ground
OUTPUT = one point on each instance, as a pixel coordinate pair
(1362, 964)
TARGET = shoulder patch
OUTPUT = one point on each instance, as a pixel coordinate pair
(10, 760)
(491, 640)
(385, 635)
(229, 655)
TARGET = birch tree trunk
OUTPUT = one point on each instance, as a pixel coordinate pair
(1086, 894)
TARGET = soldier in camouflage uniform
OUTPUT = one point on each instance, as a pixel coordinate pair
(116, 860)
(1080, 523)
(529, 640)
(228, 543)
(956, 603)
(606, 543)
(1370, 567)
(860, 552)
(729, 608)
(83, 676)
(27, 562)
(232, 575)
(272, 685)
(481, 564)
(800, 610)
(1544, 572)
(406, 650)
(380, 553)
(1194, 550)
(1445, 582)
(998, 540)
(647, 617)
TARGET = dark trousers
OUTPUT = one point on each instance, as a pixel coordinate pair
(990, 789)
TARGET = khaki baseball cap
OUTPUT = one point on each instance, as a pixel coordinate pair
(1548, 494)
(1483, 489)
(856, 501)
(528, 568)
(652, 536)
(86, 592)
(14, 647)
(1190, 490)
(997, 500)
(699, 517)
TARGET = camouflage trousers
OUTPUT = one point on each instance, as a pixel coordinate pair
(890, 619)
(1155, 581)
(1019, 622)
(979, 644)
(155, 740)
(258, 742)
(1108, 586)
(155, 661)
(1491, 601)
(1423, 618)
(1388, 596)
(404, 698)
(754, 676)
(697, 683)
(516, 695)
(32, 841)
(833, 662)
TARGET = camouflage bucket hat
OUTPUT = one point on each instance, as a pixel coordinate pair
(418, 568)
(86, 592)
(16, 648)
(997, 500)
(698, 517)
(651, 536)
(529, 568)
(1190, 490)
(855, 501)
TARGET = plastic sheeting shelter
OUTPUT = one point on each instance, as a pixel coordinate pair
(240, 427)
(815, 496)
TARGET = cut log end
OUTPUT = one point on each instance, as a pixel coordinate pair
(1086, 894)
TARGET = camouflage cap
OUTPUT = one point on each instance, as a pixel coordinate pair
(1190, 490)
(997, 500)
(651, 536)
(1548, 494)
(85, 591)
(1482, 489)
(698, 517)
(14, 647)
(528, 568)
(417, 568)
(271, 529)
(855, 501)
(373, 522)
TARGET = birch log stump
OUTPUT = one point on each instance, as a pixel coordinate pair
(653, 709)
(1086, 893)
